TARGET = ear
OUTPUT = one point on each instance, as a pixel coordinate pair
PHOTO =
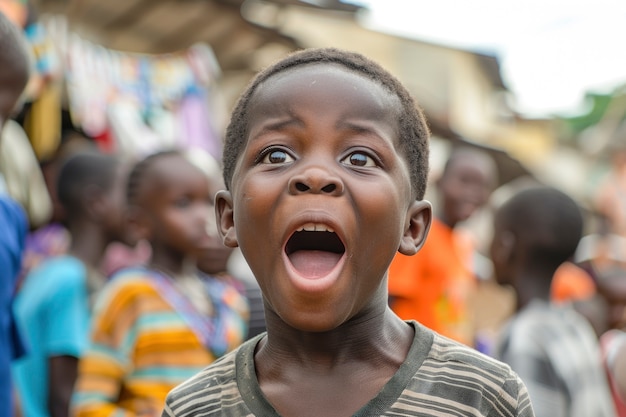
(504, 248)
(417, 224)
(226, 218)
(94, 202)
(138, 224)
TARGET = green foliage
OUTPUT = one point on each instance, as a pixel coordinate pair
(597, 104)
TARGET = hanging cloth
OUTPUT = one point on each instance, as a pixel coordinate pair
(43, 121)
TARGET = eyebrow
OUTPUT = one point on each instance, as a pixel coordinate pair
(281, 124)
(358, 127)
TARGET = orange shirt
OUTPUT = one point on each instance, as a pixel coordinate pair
(434, 286)
(570, 283)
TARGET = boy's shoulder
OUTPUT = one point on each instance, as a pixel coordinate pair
(137, 276)
(446, 352)
(454, 376)
(215, 386)
(128, 284)
(543, 320)
(55, 275)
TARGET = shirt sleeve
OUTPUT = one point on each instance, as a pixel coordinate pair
(66, 314)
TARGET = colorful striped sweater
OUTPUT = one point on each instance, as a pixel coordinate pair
(141, 346)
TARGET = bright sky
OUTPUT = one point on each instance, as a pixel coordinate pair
(551, 51)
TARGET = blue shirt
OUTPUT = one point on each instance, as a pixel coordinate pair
(52, 311)
(13, 228)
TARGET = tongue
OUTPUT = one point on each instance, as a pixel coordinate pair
(314, 263)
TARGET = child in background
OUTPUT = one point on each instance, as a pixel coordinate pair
(435, 286)
(53, 239)
(53, 306)
(157, 325)
(14, 76)
(214, 259)
(220, 260)
(325, 162)
(552, 347)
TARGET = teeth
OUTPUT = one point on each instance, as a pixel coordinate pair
(313, 227)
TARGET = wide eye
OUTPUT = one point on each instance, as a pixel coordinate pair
(276, 156)
(359, 159)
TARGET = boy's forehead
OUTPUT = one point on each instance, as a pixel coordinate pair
(316, 79)
(169, 172)
(171, 166)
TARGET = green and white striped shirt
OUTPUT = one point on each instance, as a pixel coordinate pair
(439, 378)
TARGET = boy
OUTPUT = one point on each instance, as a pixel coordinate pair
(435, 286)
(325, 164)
(53, 306)
(13, 224)
(156, 325)
(553, 348)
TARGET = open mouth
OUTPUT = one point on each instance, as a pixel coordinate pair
(314, 250)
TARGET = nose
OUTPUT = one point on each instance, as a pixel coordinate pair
(316, 180)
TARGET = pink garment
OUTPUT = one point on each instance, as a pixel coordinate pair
(194, 123)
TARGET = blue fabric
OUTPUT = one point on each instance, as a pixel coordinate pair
(13, 228)
(52, 311)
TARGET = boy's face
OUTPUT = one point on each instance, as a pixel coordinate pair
(321, 198)
(176, 205)
(465, 187)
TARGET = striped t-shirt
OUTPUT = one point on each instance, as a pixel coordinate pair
(142, 345)
(439, 378)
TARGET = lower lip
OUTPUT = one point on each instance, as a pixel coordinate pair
(316, 283)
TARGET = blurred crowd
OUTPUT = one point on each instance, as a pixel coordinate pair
(117, 286)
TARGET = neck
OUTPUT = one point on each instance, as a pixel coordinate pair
(533, 283)
(173, 264)
(88, 242)
(376, 336)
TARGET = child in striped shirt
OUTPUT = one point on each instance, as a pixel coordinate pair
(157, 325)
(325, 165)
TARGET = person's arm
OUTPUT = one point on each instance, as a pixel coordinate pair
(63, 371)
(65, 331)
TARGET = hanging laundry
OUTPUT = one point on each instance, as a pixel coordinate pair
(43, 121)
(194, 127)
(134, 103)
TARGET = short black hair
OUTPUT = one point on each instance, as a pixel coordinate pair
(548, 221)
(81, 170)
(138, 173)
(412, 127)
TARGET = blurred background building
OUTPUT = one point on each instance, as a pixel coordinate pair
(130, 73)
